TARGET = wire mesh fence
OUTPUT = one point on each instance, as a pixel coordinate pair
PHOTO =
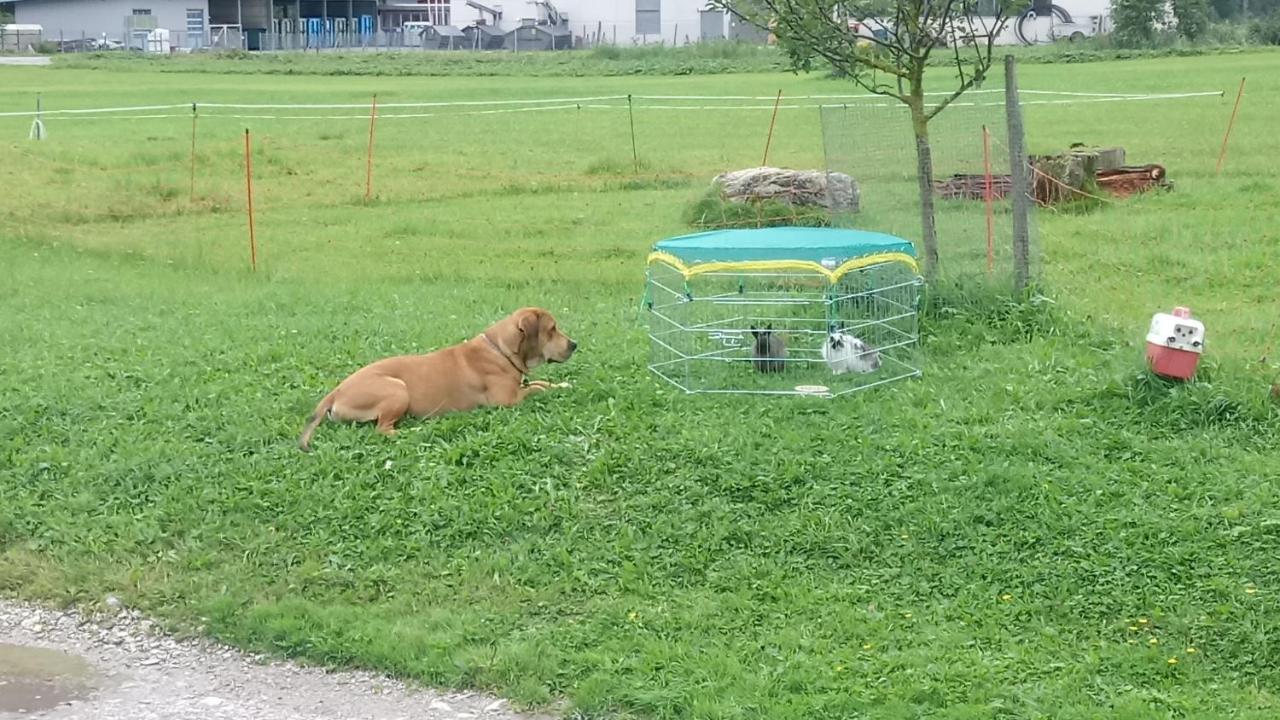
(167, 164)
(783, 332)
(401, 30)
(873, 143)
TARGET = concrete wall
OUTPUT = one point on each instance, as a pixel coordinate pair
(677, 19)
(92, 18)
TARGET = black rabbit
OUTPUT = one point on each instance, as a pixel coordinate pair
(769, 351)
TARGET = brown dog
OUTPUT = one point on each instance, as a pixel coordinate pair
(489, 369)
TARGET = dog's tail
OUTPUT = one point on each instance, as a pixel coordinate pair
(313, 422)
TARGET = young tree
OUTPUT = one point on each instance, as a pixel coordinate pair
(1192, 17)
(1137, 21)
(890, 61)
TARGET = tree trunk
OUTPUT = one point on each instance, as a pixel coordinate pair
(924, 175)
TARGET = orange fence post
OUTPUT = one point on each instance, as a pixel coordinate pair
(987, 196)
(248, 186)
(192, 198)
(769, 140)
(1222, 154)
(368, 171)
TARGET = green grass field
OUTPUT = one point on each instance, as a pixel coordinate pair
(1034, 529)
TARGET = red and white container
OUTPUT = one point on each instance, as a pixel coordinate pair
(1175, 343)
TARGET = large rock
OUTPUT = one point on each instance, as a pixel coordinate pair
(801, 188)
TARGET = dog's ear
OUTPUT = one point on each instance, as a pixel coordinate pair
(529, 322)
(529, 325)
(511, 331)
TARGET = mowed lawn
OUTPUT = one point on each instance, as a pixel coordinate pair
(1033, 529)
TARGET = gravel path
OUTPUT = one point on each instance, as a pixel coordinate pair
(124, 668)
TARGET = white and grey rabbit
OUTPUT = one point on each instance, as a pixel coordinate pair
(845, 353)
(769, 351)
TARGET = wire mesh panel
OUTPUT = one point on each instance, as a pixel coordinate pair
(873, 143)
(783, 331)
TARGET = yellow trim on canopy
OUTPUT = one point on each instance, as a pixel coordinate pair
(832, 276)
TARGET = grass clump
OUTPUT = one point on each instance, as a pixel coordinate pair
(1266, 30)
(713, 211)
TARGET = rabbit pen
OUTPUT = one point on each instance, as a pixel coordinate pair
(783, 311)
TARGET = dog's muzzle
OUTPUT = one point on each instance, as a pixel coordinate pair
(573, 346)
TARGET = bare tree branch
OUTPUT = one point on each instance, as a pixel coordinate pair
(845, 54)
(837, 45)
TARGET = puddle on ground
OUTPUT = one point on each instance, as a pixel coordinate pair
(34, 679)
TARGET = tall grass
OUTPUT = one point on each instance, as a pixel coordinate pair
(1036, 528)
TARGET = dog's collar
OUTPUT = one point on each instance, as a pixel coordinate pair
(498, 349)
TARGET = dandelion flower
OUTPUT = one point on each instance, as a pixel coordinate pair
(633, 616)
(1154, 641)
(839, 668)
(906, 615)
(1251, 590)
(1006, 597)
(1173, 661)
(1142, 621)
(1192, 651)
(1133, 627)
(866, 646)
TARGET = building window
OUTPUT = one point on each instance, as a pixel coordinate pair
(648, 17)
(436, 12)
(195, 27)
(141, 19)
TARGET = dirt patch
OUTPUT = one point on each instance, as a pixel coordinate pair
(35, 678)
(63, 665)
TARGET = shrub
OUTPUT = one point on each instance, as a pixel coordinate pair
(713, 212)
(1227, 33)
(1136, 21)
(1266, 31)
(1192, 17)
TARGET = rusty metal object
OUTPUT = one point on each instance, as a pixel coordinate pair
(1133, 179)
(1061, 178)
